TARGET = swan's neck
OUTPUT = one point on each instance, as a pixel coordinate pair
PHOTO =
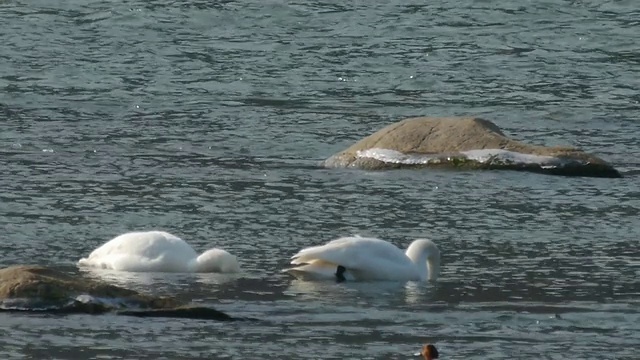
(423, 268)
(426, 260)
(433, 267)
(193, 265)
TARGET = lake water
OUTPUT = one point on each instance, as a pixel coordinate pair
(208, 119)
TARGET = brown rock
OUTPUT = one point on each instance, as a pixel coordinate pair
(49, 285)
(445, 138)
(39, 288)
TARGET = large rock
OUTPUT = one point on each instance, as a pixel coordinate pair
(466, 143)
(37, 288)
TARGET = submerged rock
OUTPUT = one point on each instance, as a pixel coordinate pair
(463, 143)
(37, 288)
(182, 312)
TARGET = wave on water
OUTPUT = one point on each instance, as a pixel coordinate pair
(83, 303)
(87, 304)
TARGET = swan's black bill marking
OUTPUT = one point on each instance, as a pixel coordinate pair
(340, 274)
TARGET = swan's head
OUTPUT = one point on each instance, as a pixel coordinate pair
(429, 352)
(424, 252)
(215, 260)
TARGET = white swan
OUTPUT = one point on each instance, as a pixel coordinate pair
(157, 251)
(364, 259)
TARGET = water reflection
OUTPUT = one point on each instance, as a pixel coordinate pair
(146, 281)
(362, 292)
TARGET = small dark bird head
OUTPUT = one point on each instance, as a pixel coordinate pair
(429, 352)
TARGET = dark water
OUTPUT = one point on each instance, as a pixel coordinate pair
(208, 119)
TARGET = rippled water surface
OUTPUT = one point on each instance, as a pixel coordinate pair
(208, 119)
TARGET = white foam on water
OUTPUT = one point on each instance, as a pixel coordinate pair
(510, 157)
(110, 302)
(395, 157)
(90, 299)
(37, 304)
(493, 156)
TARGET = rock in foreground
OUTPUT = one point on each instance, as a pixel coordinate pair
(37, 288)
(463, 143)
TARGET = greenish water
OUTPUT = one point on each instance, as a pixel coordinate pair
(208, 119)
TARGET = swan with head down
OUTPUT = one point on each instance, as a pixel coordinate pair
(367, 259)
(158, 251)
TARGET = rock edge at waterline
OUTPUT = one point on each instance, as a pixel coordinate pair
(41, 289)
(463, 143)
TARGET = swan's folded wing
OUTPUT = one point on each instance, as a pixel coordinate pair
(324, 252)
(352, 252)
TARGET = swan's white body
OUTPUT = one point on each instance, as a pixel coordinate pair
(157, 251)
(368, 259)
